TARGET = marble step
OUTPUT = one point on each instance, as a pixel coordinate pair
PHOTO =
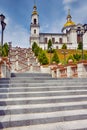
(42, 94)
(44, 100)
(30, 75)
(39, 89)
(49, 118)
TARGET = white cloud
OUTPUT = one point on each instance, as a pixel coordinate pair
(68, 1)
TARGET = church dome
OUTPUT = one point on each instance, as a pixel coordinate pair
(34, 10)
(69, 23)
(69, 20)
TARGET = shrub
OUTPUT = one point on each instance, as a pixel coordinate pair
(77, 57)
(34, 46)
(42, 58)
(4, 50)
(79, 45)
(49, 44)
(55, 58)
(64, 46)
(85, 56)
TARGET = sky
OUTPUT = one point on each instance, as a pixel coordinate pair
(52, 17)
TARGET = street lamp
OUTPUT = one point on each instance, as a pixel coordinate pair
(64, 53)
(3, 24)
(50, 50)
(80, 34)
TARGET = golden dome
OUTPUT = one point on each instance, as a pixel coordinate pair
(34, 12)
(69, 20)
(69, 23)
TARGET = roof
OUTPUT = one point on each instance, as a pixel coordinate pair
(52, 34)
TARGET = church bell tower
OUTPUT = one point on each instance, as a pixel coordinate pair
(34, 27)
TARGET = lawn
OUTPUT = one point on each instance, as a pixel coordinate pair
(68, 52)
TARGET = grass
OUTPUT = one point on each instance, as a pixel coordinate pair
(61, 55)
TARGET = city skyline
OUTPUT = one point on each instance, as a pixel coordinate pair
(52, 17)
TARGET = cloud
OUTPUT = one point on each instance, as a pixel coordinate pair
(80, 13)
(68, 4)
(68, 1)
(78, 10)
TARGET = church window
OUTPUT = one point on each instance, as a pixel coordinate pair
(34, 31)
(60, 40)
(35, 21)
(53, 40)
(45, 39)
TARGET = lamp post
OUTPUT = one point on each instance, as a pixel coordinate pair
(80, 34)
(64, 53)
(3, 24)
(50, 49)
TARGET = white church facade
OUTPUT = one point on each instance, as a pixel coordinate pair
(71, 33)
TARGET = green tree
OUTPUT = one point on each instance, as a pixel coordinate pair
(64, 46)
(34, 46)
(55, 58)
(4, 50)
(79, 45)
(36, 49)
(50, 49)
(85, 56)
(42, 58)
(77, 57)
(49, 44)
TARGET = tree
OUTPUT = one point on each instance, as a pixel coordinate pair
(77, 57)
(79, 45)
(34, 46)
(36, 49)
(55, 58)
(49, 44)
(85, 56)
(4, 50)
(64, 46)
(42, 58)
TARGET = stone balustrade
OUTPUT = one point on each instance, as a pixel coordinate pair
(71, 70)
(4, 67)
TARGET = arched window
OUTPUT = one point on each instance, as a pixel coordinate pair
(35, 21)
(34, 31)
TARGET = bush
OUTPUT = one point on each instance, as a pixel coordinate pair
(34, 46)
(4, 50)
(55, 58)
(64, 46)
(42, 58)
(85, 56)
(36, 49)
(79, 45)
(77, 57)
(49, 44)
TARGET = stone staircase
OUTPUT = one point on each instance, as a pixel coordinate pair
(23, 60)
(35, 101)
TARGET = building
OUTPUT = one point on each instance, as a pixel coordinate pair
(71, 33)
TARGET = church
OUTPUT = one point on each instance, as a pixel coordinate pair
(71, 34)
